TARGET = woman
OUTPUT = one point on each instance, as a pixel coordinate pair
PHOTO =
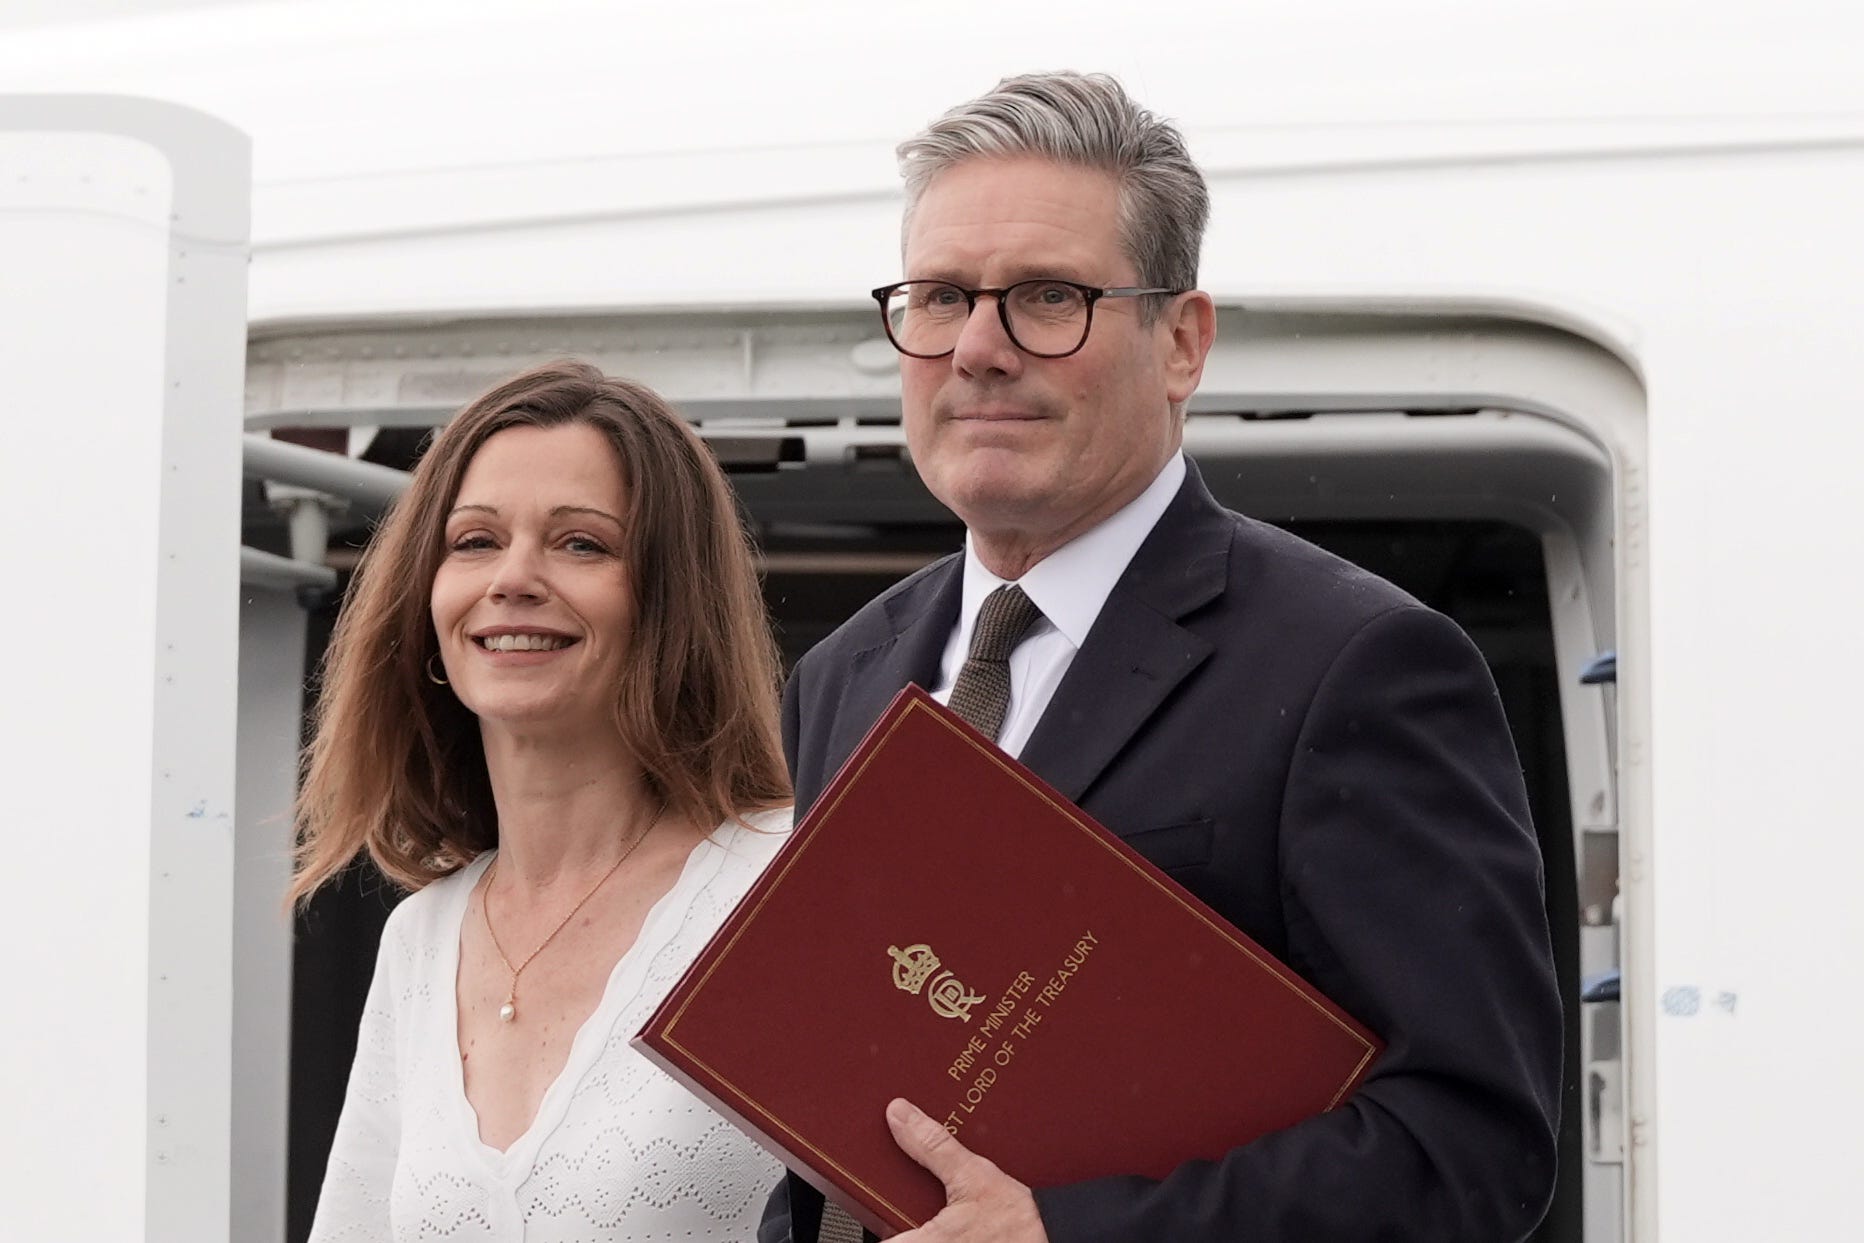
(550, 708)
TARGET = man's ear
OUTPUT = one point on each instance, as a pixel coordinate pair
(1187, 330)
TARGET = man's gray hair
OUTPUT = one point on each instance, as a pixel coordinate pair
(1088, 121)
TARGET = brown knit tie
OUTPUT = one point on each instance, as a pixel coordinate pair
(837, 1226)
(981, 695)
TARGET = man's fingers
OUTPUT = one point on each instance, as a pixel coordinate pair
(981, 1201)
(930, 1144)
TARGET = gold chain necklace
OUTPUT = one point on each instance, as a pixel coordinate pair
(509, 1011)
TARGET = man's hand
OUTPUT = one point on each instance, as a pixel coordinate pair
(982, 1203)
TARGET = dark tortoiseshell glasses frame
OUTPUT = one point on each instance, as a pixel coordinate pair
(1090, 294)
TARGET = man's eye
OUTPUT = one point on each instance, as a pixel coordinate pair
(1051, 296)
(937, 297)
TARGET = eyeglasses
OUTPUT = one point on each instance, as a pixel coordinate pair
(1045, 317)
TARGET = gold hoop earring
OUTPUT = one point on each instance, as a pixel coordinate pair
(433, 677)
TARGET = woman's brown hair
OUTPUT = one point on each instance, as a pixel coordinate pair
(397, 767)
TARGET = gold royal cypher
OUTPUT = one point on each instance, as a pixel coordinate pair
(948, 997)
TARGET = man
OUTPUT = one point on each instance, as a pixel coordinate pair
(1313, 753)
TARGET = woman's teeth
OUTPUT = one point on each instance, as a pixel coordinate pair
(523, 642)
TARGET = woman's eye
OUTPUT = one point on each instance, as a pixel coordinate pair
(471, 543)
(583, 544)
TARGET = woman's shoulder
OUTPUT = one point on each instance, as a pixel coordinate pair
(751, 840)
(726, 863)
(423, 916)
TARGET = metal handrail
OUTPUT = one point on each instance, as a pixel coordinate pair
(362, 483)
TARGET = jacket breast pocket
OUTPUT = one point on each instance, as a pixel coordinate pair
(1174, 849)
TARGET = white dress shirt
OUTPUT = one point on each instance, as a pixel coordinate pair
(1070, 586)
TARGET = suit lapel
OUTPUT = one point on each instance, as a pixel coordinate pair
(919, 621)
(1137, 653)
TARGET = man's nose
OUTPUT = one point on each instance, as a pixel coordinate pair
(984, 348)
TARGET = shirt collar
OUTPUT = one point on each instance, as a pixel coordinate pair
(1071, 584)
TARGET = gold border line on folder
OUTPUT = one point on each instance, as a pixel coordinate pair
(799, 1143)
(1229, 934)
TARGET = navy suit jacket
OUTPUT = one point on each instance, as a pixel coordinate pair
(1325, 762)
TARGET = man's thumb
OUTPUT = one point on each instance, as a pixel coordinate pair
(928, 1143)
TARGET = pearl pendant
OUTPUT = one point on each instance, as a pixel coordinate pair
(507, 1012)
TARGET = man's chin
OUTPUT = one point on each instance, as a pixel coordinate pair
(1001, 507)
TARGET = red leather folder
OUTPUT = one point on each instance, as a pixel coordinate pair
(945, 927)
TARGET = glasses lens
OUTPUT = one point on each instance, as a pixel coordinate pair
(1046, 317)
(926, 317)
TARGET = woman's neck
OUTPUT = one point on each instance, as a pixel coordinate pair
(567, 806)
